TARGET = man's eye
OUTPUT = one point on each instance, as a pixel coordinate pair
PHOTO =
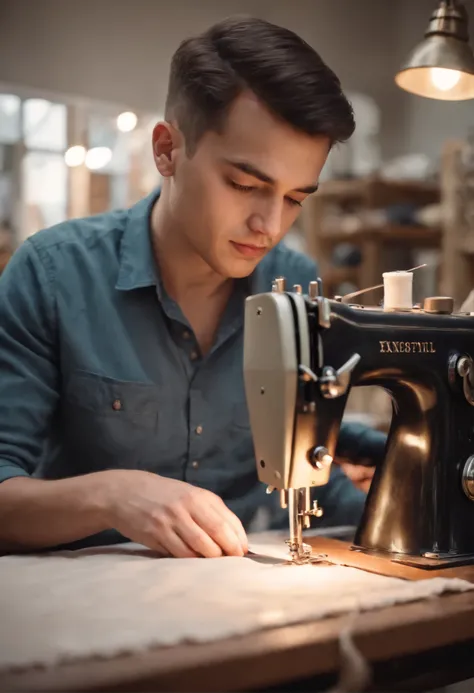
(243, 188)
(249, 188)
(293, 203)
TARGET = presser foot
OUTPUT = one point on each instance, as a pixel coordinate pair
(301, 554)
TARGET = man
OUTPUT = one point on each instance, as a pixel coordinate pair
(122, 407)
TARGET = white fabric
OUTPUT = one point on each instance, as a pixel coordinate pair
(112, 600)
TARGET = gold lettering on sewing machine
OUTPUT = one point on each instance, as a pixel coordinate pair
(387, 347)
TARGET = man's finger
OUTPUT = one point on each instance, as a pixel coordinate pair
(196, 537)
(230, 517)
(219, 529)
(175, 545)
(159, 549)
(361, 477)
(357, 473)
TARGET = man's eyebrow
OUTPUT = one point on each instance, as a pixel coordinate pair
(252, 170)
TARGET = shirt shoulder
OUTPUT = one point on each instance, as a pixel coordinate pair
(77, 251)
(83, 232)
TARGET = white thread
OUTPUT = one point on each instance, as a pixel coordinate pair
(398, 290)
(355, 672)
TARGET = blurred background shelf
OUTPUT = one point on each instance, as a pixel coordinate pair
(380, 191)
(358, 229)
(389, 234)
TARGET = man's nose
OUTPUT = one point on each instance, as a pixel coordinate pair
(267, 220)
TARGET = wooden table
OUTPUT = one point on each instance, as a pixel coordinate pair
(418, 646)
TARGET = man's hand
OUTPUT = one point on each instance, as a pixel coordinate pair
(171, 516)
(360, 475)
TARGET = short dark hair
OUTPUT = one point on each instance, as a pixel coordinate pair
(209, 71)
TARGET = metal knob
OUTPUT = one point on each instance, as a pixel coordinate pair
(465, 369)
(468, 478)
(464, 366)
(313, 290)
(335, 383)
(279, 285)
(439, 304)
(316, 510)
(320, 457)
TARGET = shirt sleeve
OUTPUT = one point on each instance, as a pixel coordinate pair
(29, 374)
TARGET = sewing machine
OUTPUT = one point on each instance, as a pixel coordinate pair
(302, 355)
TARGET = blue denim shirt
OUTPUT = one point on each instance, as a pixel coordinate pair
(99, 368)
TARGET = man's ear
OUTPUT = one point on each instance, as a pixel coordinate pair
(165, 142)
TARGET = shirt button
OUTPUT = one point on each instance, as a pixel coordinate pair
(199, 430)
(195, 464)
(117, 405)
(193, 355)
(186, 334)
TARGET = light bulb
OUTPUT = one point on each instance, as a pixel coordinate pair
(98, 157)
(127, 121)
(75, 156)
(444, 79)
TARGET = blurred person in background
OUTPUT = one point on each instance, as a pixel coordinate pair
(122, 404)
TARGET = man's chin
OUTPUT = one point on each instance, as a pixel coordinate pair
(240, 269)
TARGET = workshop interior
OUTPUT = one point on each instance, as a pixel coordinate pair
(383, 337)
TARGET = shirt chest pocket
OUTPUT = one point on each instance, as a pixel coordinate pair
(110, 424)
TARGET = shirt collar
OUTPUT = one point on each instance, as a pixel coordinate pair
(138, 268)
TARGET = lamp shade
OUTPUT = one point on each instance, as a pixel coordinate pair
(442, 65)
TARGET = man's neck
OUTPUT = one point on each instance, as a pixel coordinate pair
(201, 293)
(183, 272)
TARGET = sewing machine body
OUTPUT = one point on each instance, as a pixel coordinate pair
(302, 355)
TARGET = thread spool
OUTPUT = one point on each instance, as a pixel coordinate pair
(398, 290)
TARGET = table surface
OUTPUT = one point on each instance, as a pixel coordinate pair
(279, 655)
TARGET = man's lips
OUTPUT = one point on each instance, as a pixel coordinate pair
(249, 250)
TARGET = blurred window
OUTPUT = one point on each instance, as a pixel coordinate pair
(45, 179)
(45, 125)
(6, 182)
(10, 108)
(103, 132)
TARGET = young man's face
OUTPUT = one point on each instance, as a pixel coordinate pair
(242, 189)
